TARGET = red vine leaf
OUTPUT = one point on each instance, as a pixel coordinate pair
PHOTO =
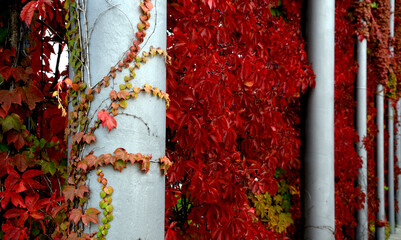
(165, 164)
(90, 216)
(82, 165)
(92, 160)
(27, 12)
(113, 94)
(32, 95)
(14, 212)
(6, 99)
(120, 153)
(78, 137)
(107, 159)
(69, 192)
(16, 138)
(107, 120)
(119, 165)
(89, 138)
(75, 215)
(122, 94)
(20, 162)
(81, 190)
(145, 165)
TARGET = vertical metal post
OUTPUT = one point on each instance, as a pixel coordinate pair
(361, 113)
(380, 159)
(138, 198)
(319, 207)
(398, 154)
(390, 176)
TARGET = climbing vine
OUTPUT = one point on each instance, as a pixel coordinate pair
(64, 211)
(82, 131)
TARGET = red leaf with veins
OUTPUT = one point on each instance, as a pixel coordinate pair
(107, 120)
(75, 215)
(90, 216)
(16, 138)
(27, 12)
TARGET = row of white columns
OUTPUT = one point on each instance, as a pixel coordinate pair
(319, 205)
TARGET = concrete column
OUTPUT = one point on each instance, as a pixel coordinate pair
(319, 207)
(380, 159)
(361, 113)
(138, 198)
(398, 154)
(390, 175)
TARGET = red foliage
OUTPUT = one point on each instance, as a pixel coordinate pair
(235, 81)
(348, 196)
(32, 150)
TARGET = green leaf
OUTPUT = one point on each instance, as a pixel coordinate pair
(119, 165)
(122, 86)
(109, 208)
(3, 147)
(48, 167)
(12, 121)
(123, 104)
(35, 231)
(3, 34)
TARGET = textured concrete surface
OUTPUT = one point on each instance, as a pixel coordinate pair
(397, 234)
(138, 198)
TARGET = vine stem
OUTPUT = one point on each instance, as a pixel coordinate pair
(86, 41)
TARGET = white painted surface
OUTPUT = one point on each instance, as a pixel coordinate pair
(138, 198)
(380, 215)
(319, 147)
(362, 231)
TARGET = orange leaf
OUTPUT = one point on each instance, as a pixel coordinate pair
(69, 192)
(88, 138)
(119, 165)
(90, 216)
(78, 137)
(107, 158)
(113, 94)
(81, 190)
(75, 215)
(147, 88)
(68, 82)
(249, 83)
(92, 160)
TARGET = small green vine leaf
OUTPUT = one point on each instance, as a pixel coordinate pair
(123, 104)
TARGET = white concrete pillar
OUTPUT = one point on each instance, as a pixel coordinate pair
(362, 231)
(380, 215)
(319, 207)
(138, 198)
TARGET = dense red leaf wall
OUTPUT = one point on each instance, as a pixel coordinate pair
(235, 84)
(348, 197)
(32, 156)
